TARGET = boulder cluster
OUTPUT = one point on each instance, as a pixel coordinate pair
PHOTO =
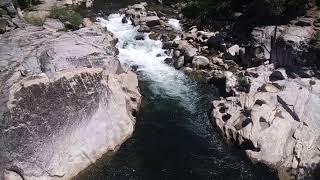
(152, 22)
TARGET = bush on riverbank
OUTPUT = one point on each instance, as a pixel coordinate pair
(244, 84)
(69, 17)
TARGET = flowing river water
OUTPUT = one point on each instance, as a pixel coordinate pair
(173, 139)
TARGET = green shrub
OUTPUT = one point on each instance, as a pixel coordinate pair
(244, 84)
(66, 15)
(23, 4)
(34, 20)
(255, 12)
(312, 82)
(2, 12)
(317, 36)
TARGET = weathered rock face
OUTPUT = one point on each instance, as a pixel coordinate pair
(3, 26)
(291, 46)
(277, 123)
(262, 39)
(53, 25)
(65, 101)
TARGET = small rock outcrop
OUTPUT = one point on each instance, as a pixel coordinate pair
(65, 101)
(200, 62)
(7, 5)
(53, 25)
(151, 20)
(279, 74)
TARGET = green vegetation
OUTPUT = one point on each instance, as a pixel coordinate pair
(317, 36)
(312, 82)
(34, 20)
(255, 12)
(65, 15)
(2, 12)
(23, 4)
(244, 84)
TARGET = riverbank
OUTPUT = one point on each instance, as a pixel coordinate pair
(65, 98)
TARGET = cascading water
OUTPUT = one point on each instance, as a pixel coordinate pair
(149, 56)
(173, 137)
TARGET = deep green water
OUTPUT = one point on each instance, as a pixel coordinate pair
(171, 142)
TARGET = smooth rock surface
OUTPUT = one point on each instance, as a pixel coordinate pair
(53, 24)
(151, 20)
(65, 101)
(188, 50)
(200, 62)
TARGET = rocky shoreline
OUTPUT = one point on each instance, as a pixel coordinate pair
(270, 92)
(65, 99)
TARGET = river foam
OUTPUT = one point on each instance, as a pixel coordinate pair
(175, 24)
(149, 56)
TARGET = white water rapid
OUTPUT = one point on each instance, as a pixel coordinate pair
(149, 56)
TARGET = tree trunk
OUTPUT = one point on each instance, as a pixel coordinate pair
(273, 51)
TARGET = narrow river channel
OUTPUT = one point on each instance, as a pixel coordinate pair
(173, 138)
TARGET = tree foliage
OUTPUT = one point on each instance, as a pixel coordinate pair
(269, 11)
(23, 4)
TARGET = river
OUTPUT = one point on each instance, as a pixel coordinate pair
(173, 139)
